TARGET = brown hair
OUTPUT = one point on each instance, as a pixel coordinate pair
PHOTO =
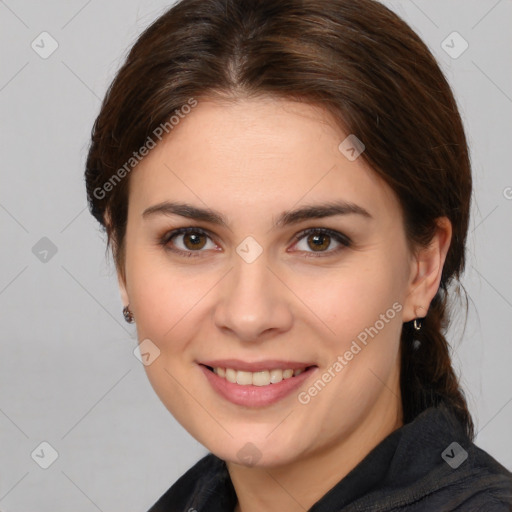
(359, 61)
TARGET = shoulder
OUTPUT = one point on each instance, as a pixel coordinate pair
(465, 479)
(487, 482)
(435, 466)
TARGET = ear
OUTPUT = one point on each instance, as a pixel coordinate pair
(121, 278)
(426, 271)
(122, 289)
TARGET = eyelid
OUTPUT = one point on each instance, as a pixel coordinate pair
(341, 238)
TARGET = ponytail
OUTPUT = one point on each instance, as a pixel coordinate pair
(427, 377)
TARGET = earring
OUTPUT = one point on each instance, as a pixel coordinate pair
(417, 321)
(416, 343)
(128, 315)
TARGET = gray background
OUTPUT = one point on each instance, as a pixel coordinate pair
(68, 375)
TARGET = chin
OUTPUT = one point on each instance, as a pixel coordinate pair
(250, 452)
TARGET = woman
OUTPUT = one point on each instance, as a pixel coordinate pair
(286, 190)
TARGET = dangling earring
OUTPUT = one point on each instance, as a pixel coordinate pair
(417, 321)
(417, 326)
(128, 315)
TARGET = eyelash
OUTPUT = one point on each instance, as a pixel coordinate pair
(342, 239)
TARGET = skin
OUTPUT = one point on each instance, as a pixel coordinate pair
(251, 159)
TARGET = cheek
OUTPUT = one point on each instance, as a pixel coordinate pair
(169, 302)
(360, 359)
(157, 297)
(345, 302)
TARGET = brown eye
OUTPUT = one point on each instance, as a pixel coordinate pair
(194, 241)
(319, 240)
(186, 241)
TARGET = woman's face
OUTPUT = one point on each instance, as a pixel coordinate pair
(258, 291)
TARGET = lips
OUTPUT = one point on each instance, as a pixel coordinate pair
(262, 394)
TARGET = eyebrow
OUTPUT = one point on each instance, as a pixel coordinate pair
(287, 218)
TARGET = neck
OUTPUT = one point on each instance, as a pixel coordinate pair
(291, 487)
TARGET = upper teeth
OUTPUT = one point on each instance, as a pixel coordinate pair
(263, 378)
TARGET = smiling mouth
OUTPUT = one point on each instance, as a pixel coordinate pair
(259, 378)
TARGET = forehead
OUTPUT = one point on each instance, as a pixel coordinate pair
(255, 155)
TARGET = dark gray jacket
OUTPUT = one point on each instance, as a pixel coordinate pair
(427, 465)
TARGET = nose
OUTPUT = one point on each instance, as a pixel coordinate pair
(253, 303)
